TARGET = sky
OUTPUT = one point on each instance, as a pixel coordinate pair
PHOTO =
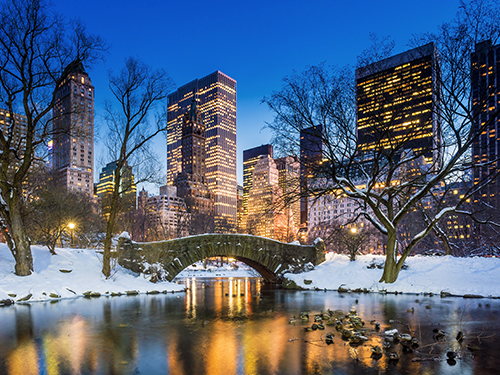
(255, 42)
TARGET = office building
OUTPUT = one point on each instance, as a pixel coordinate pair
(396, 102)
(311, 155)
(15, 126)
(289, 181)
(216, 100)
(191, 182)
(250, 159)
(167, 215)
(73, 130)
(127, 189)
(486, 100)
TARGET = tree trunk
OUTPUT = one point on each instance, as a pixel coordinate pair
(391, 267)
(110, 227)
(22, 249)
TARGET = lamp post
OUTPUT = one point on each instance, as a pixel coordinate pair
(71, 226)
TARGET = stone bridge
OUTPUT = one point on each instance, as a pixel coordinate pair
(268, 257)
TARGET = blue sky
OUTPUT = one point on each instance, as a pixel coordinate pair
(255, 42)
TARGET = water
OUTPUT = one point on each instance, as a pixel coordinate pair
(237, 326)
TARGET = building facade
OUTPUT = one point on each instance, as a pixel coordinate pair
(127, 189)
(289, 181)
(250, 159)
(167, 215)
(73, 130)
(485, 99)
(397, 107)
(216, 99)
(191, 183)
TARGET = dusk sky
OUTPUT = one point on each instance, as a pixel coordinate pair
(257, 43)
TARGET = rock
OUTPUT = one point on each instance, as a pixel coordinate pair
(6, 302)
(391, 332)
(71, 291)
(393, 356)
(376, 351)
(321, 326)
(292, 320)
(153, 292)
(342, 289)
(12, 295)
(318, 318)
(65, 271)
(54, 295)
(24, 299)
(314, 327)
(377, 326)
(451, 355)
(132, 292)
(346, 334)
(405, 337)
(473, 296)
(307, 282)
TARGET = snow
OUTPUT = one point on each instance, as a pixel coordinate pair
(197, 270)
(125, 235)
(51, 276)
(433, 274)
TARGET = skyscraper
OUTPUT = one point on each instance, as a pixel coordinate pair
(250, 159)
(191, 182)
(73, 130)
(485, 98)
(396, 105)
(127, 189)
(216, 94)
(311, 155)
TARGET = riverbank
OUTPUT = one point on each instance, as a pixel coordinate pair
(445, 275)
(71, 273)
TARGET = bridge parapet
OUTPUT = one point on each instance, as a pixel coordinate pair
(268, 257)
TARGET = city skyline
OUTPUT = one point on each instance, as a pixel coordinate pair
(264, 47)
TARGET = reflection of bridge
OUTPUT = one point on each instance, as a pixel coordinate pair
(268, 257)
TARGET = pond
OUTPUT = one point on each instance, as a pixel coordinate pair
(240, 326)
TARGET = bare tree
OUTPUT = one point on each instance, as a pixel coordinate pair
(138, 90)
(379, 178)
(35, 47)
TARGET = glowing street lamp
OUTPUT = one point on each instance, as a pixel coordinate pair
(71, 226)
(354, 230)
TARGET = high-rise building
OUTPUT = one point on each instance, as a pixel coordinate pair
(289, 181)
(127, 189)
(266, 215)
(397, 105)
(486, 99)
(73, 130)
(16, 125)
(191, 182)
(250, 159)
(167, 215)
(216, 95)
(311, 155)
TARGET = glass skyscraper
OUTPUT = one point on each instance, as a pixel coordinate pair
(216, 98)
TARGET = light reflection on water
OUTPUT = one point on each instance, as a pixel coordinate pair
(237, 326)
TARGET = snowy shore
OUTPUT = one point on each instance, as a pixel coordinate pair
(75, 272)
(70, 274)
(425, 274)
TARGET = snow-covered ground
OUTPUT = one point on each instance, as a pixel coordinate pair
(51, 276)
(457, 276)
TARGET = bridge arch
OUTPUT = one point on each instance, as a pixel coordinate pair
(268, 257)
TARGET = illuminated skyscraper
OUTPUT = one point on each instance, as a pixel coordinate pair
(73, 130)
(127, 190)
(216, 94)
(250, 159)
(396, 105)
(486, 98)
(289, 181)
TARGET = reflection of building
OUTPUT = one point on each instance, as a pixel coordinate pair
(216, 94)
(191, 182)
(486, 98)
(311, 154)
(73, 130)
(250, 158)
(396, 104)
(127, 189)
(167, 215)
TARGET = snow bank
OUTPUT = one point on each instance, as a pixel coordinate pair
(457, 276)
(69, 274)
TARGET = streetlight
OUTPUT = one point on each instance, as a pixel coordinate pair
(71, 226)
(354, 230)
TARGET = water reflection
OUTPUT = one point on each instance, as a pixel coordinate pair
(237, 326)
